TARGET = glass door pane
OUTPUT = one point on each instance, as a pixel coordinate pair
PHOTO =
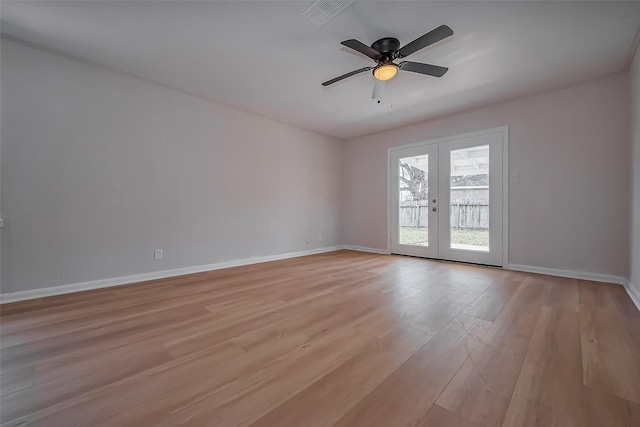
(413, 194)
(469, 199)
(470, 221)
(413, 203)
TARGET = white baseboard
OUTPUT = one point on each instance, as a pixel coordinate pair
(605, 278)
(633, 292)
(365, 249)
(124, 280)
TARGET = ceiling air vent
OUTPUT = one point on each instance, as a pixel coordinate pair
(322, 11)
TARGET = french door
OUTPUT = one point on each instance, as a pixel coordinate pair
(446, 199)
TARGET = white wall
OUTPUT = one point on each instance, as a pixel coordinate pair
(634, 82)
(569, 211)
(99, 168)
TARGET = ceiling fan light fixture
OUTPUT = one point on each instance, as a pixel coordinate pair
(385, 72)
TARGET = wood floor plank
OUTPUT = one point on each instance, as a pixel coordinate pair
(250, 397)
(629, 314)
(14, 381)
(551, 374)
(77, 342)
(100, 403)
(608, 360)
(146, 302)
(54, 384)
(328, 399)
(515, 324)
(481, 390)
(342, 338)
(600, 408)
(387, 318)
(440, 417)
(596, 295)
(408, 394)
(597, 409)
(523, 413)
(438, 315)
(564, 293)
(491, 302)
(201, 338)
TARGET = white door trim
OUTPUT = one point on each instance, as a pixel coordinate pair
(505, 180)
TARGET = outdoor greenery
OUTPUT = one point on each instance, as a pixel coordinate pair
(418, 235)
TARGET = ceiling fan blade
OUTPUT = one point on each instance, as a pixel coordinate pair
(362, 48)
(344, 76)
(419, 67)
(433, 36)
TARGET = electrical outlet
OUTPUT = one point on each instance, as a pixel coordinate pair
(515, 177)
(308, 239)
(320, 237)
(157, 254)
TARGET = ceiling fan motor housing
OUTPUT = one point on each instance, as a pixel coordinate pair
(386, 46)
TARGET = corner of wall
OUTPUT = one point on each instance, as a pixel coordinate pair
(634, 292)
(633, 70)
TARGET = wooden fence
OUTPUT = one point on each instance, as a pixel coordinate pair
(469, 209)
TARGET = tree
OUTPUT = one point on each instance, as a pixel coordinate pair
(413, 180)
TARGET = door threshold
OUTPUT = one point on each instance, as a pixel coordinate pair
(449, 260)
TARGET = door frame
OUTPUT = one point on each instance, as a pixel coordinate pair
(504, 130)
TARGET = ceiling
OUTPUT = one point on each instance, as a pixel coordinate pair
(264, 57)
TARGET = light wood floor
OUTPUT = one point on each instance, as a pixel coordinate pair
(345, 339)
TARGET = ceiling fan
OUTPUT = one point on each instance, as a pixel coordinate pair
(386, 50)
